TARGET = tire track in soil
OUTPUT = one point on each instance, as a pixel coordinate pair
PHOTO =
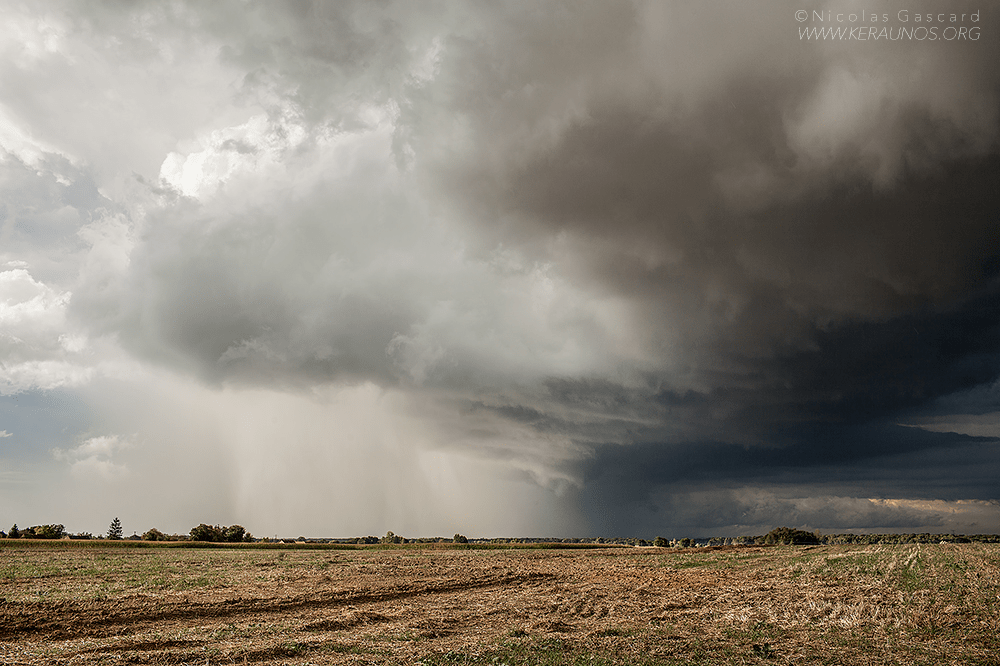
(149, 652)
(64, 620)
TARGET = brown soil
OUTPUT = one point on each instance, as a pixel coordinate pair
(401, 606)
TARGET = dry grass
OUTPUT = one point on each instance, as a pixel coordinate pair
(777, 605)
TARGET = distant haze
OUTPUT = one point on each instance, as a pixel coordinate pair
(536, 268)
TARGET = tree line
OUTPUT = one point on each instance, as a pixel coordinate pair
(203, 532)
(239, 534)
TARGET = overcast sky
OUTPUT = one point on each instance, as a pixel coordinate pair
(540, 268)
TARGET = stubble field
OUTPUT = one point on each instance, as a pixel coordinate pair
(914, 604)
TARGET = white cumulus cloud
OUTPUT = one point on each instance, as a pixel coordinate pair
(95, 457)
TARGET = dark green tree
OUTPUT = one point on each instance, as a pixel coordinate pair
(234, 533)
(787, 535)
(115, 529)
(458, 538)
(660, 542)
(14, 533)
(154, 535)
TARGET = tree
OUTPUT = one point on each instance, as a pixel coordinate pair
(458, 538)
(660, 542)
(115, 529)
(49, 531)
(14, 533)
(154, 535)
(234, 533)
(207, 533)
(217, 534)
(787, 535)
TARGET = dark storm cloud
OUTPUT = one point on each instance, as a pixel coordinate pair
(886, 459)
(824, 418)
(813, 247)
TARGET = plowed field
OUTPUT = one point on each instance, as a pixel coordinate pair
(775, 605)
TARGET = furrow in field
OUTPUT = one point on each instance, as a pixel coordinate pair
(72, 619)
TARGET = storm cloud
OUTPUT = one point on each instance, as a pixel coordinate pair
(627, 268)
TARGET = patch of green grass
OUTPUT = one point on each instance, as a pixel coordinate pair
(23, 570)
(689, 561)
(911, 579)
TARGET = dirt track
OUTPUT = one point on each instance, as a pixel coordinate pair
(401, 606)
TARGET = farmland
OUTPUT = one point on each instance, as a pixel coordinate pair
(849, 604)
